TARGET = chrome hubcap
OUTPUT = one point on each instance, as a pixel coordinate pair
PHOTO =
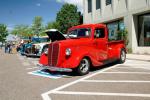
(84, 65)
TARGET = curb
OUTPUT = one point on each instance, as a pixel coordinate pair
(138, 59)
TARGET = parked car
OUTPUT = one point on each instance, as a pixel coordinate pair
(35, 50)
(22, 48)
(87, 46)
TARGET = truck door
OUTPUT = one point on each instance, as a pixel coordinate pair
(100, 43)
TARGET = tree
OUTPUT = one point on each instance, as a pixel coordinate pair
(52, 25)
(22, 31)
(37, 25)
(3, 32)
(67, 17)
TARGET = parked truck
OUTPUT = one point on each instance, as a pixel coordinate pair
(84, 47)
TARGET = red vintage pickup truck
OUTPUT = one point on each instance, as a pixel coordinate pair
(84, 47)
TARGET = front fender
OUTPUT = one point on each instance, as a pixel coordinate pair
(74, 60)
(78, 54)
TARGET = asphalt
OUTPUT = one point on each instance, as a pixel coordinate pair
(128, 81)
(17, 84)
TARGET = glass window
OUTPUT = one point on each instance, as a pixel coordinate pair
(84, 32)
(40, 39)
(121, 25)
(99, 33)
(114, 28)
(144, 30)
(72, 34)
(108, 2)
(98, 4)
(89, 6)
(78, 33)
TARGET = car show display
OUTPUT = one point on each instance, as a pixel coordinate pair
(85, 46)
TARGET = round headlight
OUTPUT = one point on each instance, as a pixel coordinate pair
(68, 52)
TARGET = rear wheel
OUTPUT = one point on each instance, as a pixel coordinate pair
(84, 67)
(122, 56)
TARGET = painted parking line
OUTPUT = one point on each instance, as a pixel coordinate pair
(45, 95)
(100, 94)
(125, 72)
(132, 67)
(32, 68)
(114, 81)
(46, 74)
(135, 62)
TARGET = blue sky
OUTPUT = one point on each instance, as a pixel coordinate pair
(14, 12)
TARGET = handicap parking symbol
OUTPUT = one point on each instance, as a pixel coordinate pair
(45, 73)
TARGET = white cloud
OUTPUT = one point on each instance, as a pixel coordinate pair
(79, 3)
(38, 4)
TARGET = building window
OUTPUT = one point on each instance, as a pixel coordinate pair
(108, 2)
(114, 28)
(98, 3)
(89, 6)
(144, 30)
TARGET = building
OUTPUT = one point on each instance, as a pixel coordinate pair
(133, 15)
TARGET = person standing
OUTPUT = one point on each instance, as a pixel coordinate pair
(6, 47)
(10, 48)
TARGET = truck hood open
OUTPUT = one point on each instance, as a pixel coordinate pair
(55, 35)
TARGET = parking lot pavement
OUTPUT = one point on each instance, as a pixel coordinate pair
(17, 84)
(128, 81)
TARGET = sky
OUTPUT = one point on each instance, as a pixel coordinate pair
(16, 12)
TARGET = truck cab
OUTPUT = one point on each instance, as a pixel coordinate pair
(85, 46)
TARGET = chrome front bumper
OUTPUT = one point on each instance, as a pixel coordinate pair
(52, 68)
(32, 55)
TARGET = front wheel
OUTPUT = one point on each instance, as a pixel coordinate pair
(84, 67)
(122, 56)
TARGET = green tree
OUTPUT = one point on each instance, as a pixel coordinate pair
(37, 25)
(22, 31)
(52, 25)
(3, 32)
(67, 17)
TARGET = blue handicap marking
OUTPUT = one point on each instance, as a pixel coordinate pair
(44, 73)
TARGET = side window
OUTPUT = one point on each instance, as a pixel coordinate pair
(83, 32)
(99, 33)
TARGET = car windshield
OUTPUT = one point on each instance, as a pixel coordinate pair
(40, 40)
(79, 33)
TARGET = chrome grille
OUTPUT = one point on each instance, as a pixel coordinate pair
(53, 54)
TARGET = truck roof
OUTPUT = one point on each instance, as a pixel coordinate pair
(87, 26)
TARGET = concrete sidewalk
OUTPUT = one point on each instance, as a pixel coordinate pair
(138, 57)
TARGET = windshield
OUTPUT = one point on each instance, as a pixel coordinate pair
(79, 33)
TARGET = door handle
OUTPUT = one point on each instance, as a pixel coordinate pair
(110, 48)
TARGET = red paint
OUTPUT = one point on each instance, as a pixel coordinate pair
(98, 50)
(43, 59)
